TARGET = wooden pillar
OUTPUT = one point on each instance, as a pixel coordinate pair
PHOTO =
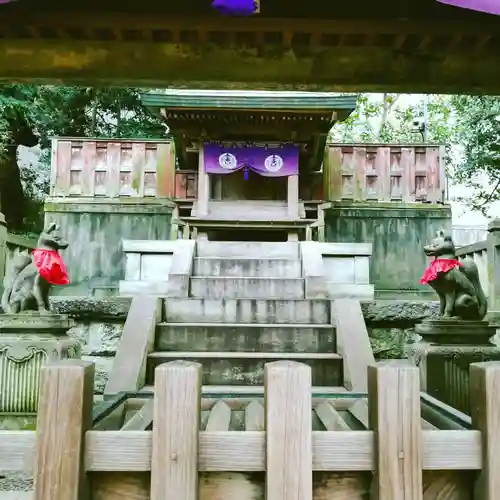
(493, 245)
(203, 186)
(485, 408)
(288, 426)
(394, 415)
(177, 406)
(293, 196)
(64, 415)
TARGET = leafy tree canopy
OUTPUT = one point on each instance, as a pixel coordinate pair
(468, 127)
(31, 114)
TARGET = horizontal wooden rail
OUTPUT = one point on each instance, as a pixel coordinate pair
(118, 451)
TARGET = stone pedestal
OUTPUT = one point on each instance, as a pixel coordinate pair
(444, 354)
(455, 332)
(27, 342)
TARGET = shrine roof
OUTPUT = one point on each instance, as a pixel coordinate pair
(252, 100)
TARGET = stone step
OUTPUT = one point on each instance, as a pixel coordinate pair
(260, 311)
(247, 368)
(248, 249)
(241, 337)
(251, 288)
(237, 267)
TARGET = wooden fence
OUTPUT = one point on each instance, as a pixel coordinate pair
(281, 459)
(95, 168)
(11, 245)
(486, 255)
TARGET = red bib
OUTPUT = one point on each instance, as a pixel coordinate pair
(438, 266)
(50, 266)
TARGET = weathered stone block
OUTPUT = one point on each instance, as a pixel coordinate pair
(27, 342)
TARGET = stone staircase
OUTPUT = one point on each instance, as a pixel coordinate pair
(231, 270)
(245, 306)
(244, 311)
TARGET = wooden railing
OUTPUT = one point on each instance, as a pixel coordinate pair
(11, 245)
(181, 230)
(316, 230)
(486, 255)
(278, 457)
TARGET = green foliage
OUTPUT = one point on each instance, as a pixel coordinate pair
(49, 111)
(468, 127)
(478, 133)
(385, 119)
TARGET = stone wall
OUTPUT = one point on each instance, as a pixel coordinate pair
(100, 325)
(95, 229)
(398, 232)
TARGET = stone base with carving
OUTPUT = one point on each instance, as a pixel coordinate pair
(27, 342)
(447, 349)
(444, 369)
(455, 332)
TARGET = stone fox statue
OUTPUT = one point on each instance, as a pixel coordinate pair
(456, 282)
(28, 284)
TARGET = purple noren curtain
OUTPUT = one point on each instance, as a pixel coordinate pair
(235, 7)
(268, 161)
(488, 6)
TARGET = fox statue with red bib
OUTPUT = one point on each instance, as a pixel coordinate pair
(28, 283)
(455, 281)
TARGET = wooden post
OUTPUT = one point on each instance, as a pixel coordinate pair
(394, 416)
(485, 408)
(293, 196)
(203, 186)
(174, 466)
(493, 245)
(64, 415)
(288, 426)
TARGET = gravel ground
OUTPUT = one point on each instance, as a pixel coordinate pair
(15, 481)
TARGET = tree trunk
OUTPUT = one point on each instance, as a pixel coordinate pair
(12, 200)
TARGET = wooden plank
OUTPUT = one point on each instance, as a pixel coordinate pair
(333, 173)
(142, 418)
(359, 410)
(353, 342)
(87, 181)
(359, 164)
(221, 451)
(165, 171)
(17, 450)
(331, 418)
(395, 418)
(174, 465)
(288, 428)
(485, 407)
(53, 167)
(113, 164)
(245, 355)
(63, 168)
(129, 366)
(408, 167)
(219, 417)
(64, 415)
(254, 417)
(138, 164)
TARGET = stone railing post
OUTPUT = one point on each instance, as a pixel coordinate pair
(493, 242)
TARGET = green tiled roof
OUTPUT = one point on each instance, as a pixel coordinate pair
(251, 100)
